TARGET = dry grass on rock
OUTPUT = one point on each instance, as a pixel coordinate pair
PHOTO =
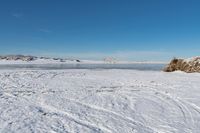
(187, 65)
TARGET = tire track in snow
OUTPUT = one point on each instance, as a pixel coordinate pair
(83, 123)
(168, 99)
(53, 111)
(183, 108)
(94, 110)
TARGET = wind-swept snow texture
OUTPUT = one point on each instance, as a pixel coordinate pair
(99, 101)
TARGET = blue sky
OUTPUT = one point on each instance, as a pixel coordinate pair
(94, 29)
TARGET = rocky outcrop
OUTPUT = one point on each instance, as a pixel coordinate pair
(18, 57)
(187, 65)
(33, 58)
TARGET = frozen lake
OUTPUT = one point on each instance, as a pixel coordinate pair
(135, 66)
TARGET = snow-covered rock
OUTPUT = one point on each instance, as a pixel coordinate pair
(18, 57)
(22, 59)
(187, 65)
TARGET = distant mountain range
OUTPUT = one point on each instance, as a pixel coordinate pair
(32, 58)
(24, 59)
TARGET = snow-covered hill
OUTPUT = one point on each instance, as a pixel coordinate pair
(21, 59)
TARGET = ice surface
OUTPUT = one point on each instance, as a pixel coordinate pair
(72, 61)
(121, 101)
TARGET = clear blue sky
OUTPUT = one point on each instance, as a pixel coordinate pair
(93, 29)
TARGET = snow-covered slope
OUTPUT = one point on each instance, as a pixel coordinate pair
(109, 101)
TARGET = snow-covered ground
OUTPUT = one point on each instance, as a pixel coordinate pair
(110, 101)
